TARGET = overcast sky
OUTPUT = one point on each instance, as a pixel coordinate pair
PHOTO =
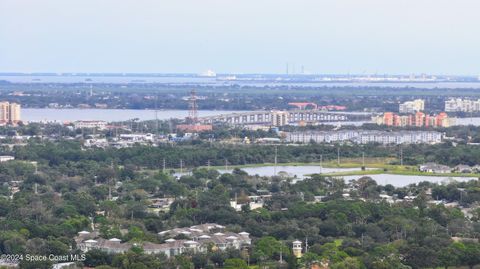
(241, 36)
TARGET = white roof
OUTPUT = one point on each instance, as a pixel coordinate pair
(164, 232)
(190, 242)
(243, 233)
(170, 240)
(218, 234)
(91, 241)
(204, 236)
(115, 240)
(83, 232)
(296, 242)
(232, 237)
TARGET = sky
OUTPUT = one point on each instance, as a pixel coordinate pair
(241, 36)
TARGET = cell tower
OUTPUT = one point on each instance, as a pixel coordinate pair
(193, 112)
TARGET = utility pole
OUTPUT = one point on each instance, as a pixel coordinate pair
(275, 167)
(164, 166)
(181, 166)
(338, 155)
(363, 159)
(110, 184)
(208, 164)
(401, 156)
(226, 164)
(156, 118)
(321, 163)
(306, 244)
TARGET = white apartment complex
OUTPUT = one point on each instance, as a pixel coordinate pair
(411, 107)
(90, 124)
(365, 137)
(462, 105)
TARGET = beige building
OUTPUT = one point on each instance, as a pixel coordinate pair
(10, 113)
(15, 113)
(279, 118)
(412, 106)
(4, 112)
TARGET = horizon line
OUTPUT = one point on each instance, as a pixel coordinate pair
(203, 74)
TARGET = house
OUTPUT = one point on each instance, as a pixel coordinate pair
(462, 168)
(5, 158)
(434, 168)
(160, 204)
(110, 246)
(389, 199)
(254, 201)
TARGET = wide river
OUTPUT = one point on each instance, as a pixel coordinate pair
(65, 115)
(73, 114)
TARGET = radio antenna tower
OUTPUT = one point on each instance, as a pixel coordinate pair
(193, 112)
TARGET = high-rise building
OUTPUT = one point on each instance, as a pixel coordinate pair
(412, 106)
(4, 112)
(10, 113)
(15, 114)
(279, 118)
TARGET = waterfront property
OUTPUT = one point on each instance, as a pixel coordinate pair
(10, 113)
(434, 168)
(364, 137)
(283, 117)
(418, 119)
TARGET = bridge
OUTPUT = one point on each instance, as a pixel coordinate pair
(283, 117)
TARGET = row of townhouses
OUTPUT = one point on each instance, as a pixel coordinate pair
(195, 239)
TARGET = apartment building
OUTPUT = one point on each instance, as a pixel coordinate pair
(10, 113)
(419, 119)
(462, 105)
(412, 106)
(365, 137)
